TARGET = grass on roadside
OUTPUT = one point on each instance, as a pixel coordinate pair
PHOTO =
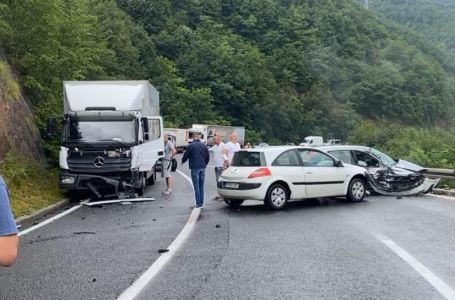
(447, 183)
(31, 187)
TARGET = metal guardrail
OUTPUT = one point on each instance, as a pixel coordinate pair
(444, 173)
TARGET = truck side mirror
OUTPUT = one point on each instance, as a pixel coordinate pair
(50, 130)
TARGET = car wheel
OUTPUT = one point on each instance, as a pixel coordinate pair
(277, 197)
(356, 190)
(234, 203)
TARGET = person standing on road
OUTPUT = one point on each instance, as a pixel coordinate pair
(169, 153)
(198, 155)
(8, 229)
(231, 147)
(220, 159)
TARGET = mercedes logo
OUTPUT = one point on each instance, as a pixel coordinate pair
(99, 162)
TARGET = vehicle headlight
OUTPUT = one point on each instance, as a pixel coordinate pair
(67, 179)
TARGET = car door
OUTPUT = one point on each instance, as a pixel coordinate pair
(321, 177)
(147, 154)
(287, 165)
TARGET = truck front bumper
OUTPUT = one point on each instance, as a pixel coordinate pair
(77, 181)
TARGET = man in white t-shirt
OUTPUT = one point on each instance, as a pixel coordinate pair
(220, 160)
(231, 147)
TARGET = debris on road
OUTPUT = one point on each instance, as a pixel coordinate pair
(163, 250)
(121, 201)
(218, 226)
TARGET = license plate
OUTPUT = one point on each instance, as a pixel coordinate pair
(231, 185)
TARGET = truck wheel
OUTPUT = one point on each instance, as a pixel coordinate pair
(152, 179)
(356, 190)
(141, 188)
(234, 203)
(277, 196)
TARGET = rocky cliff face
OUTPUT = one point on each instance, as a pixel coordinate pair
(18, 131)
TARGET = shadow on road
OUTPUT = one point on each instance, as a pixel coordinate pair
(258, 208)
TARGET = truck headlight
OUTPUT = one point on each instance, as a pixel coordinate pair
(65, 179)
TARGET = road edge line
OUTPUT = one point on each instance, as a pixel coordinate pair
(43, 211)
(50, 220)
(443, 288)
(136, 288)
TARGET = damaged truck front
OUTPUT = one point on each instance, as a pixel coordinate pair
(112, 137)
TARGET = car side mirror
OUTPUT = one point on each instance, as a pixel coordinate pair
(362, 163)
(339, 164)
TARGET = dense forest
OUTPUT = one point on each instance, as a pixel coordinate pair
(282, 68)
(435, 19)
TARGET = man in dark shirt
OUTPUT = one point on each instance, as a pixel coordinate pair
(8, 230)
(199, 157)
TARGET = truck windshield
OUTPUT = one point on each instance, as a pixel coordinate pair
(91, 131)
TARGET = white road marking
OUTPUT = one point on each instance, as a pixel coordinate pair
(118, 201)
(50, 220)
(426, 273)
(187, 178)
(134, 290)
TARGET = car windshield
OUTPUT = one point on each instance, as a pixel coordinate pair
(387, 160)
(90, 131)
(247, 159)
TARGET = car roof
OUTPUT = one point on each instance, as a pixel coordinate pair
(344, 147)
(278, 148)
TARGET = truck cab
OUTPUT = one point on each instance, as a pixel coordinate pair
(107, 149)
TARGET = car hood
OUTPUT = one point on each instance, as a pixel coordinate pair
(403, 164)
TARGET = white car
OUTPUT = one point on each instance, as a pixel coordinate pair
(278, 174)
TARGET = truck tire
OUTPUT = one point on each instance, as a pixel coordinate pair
(141, 188)
(152, 179)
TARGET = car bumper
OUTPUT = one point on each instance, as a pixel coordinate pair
(244, 191)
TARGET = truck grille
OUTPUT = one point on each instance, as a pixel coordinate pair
(94, 162)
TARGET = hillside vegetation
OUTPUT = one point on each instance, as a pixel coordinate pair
(282, 68)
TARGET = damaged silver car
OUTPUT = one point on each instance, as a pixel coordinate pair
(386, 176)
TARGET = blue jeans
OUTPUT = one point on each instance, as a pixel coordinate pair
(198, 175)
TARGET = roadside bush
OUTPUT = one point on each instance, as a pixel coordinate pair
(31, 187)
(429, 147)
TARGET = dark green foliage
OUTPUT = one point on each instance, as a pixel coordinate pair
(282, 68)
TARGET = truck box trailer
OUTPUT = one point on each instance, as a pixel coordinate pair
(180, 137)
(112, 136)
(208, 133)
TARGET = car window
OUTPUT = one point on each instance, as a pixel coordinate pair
(363, 158)
(313, 158)
(247, 159)
(288, 158)
(343, 155)
(384, 157)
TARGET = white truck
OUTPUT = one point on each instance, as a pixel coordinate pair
(312, 141)
(180, 137)
(208, 133)
(315, 141)
(112, 136)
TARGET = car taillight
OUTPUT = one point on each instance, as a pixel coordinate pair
(261, 172)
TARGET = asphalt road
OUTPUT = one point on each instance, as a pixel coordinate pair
(315, 249)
